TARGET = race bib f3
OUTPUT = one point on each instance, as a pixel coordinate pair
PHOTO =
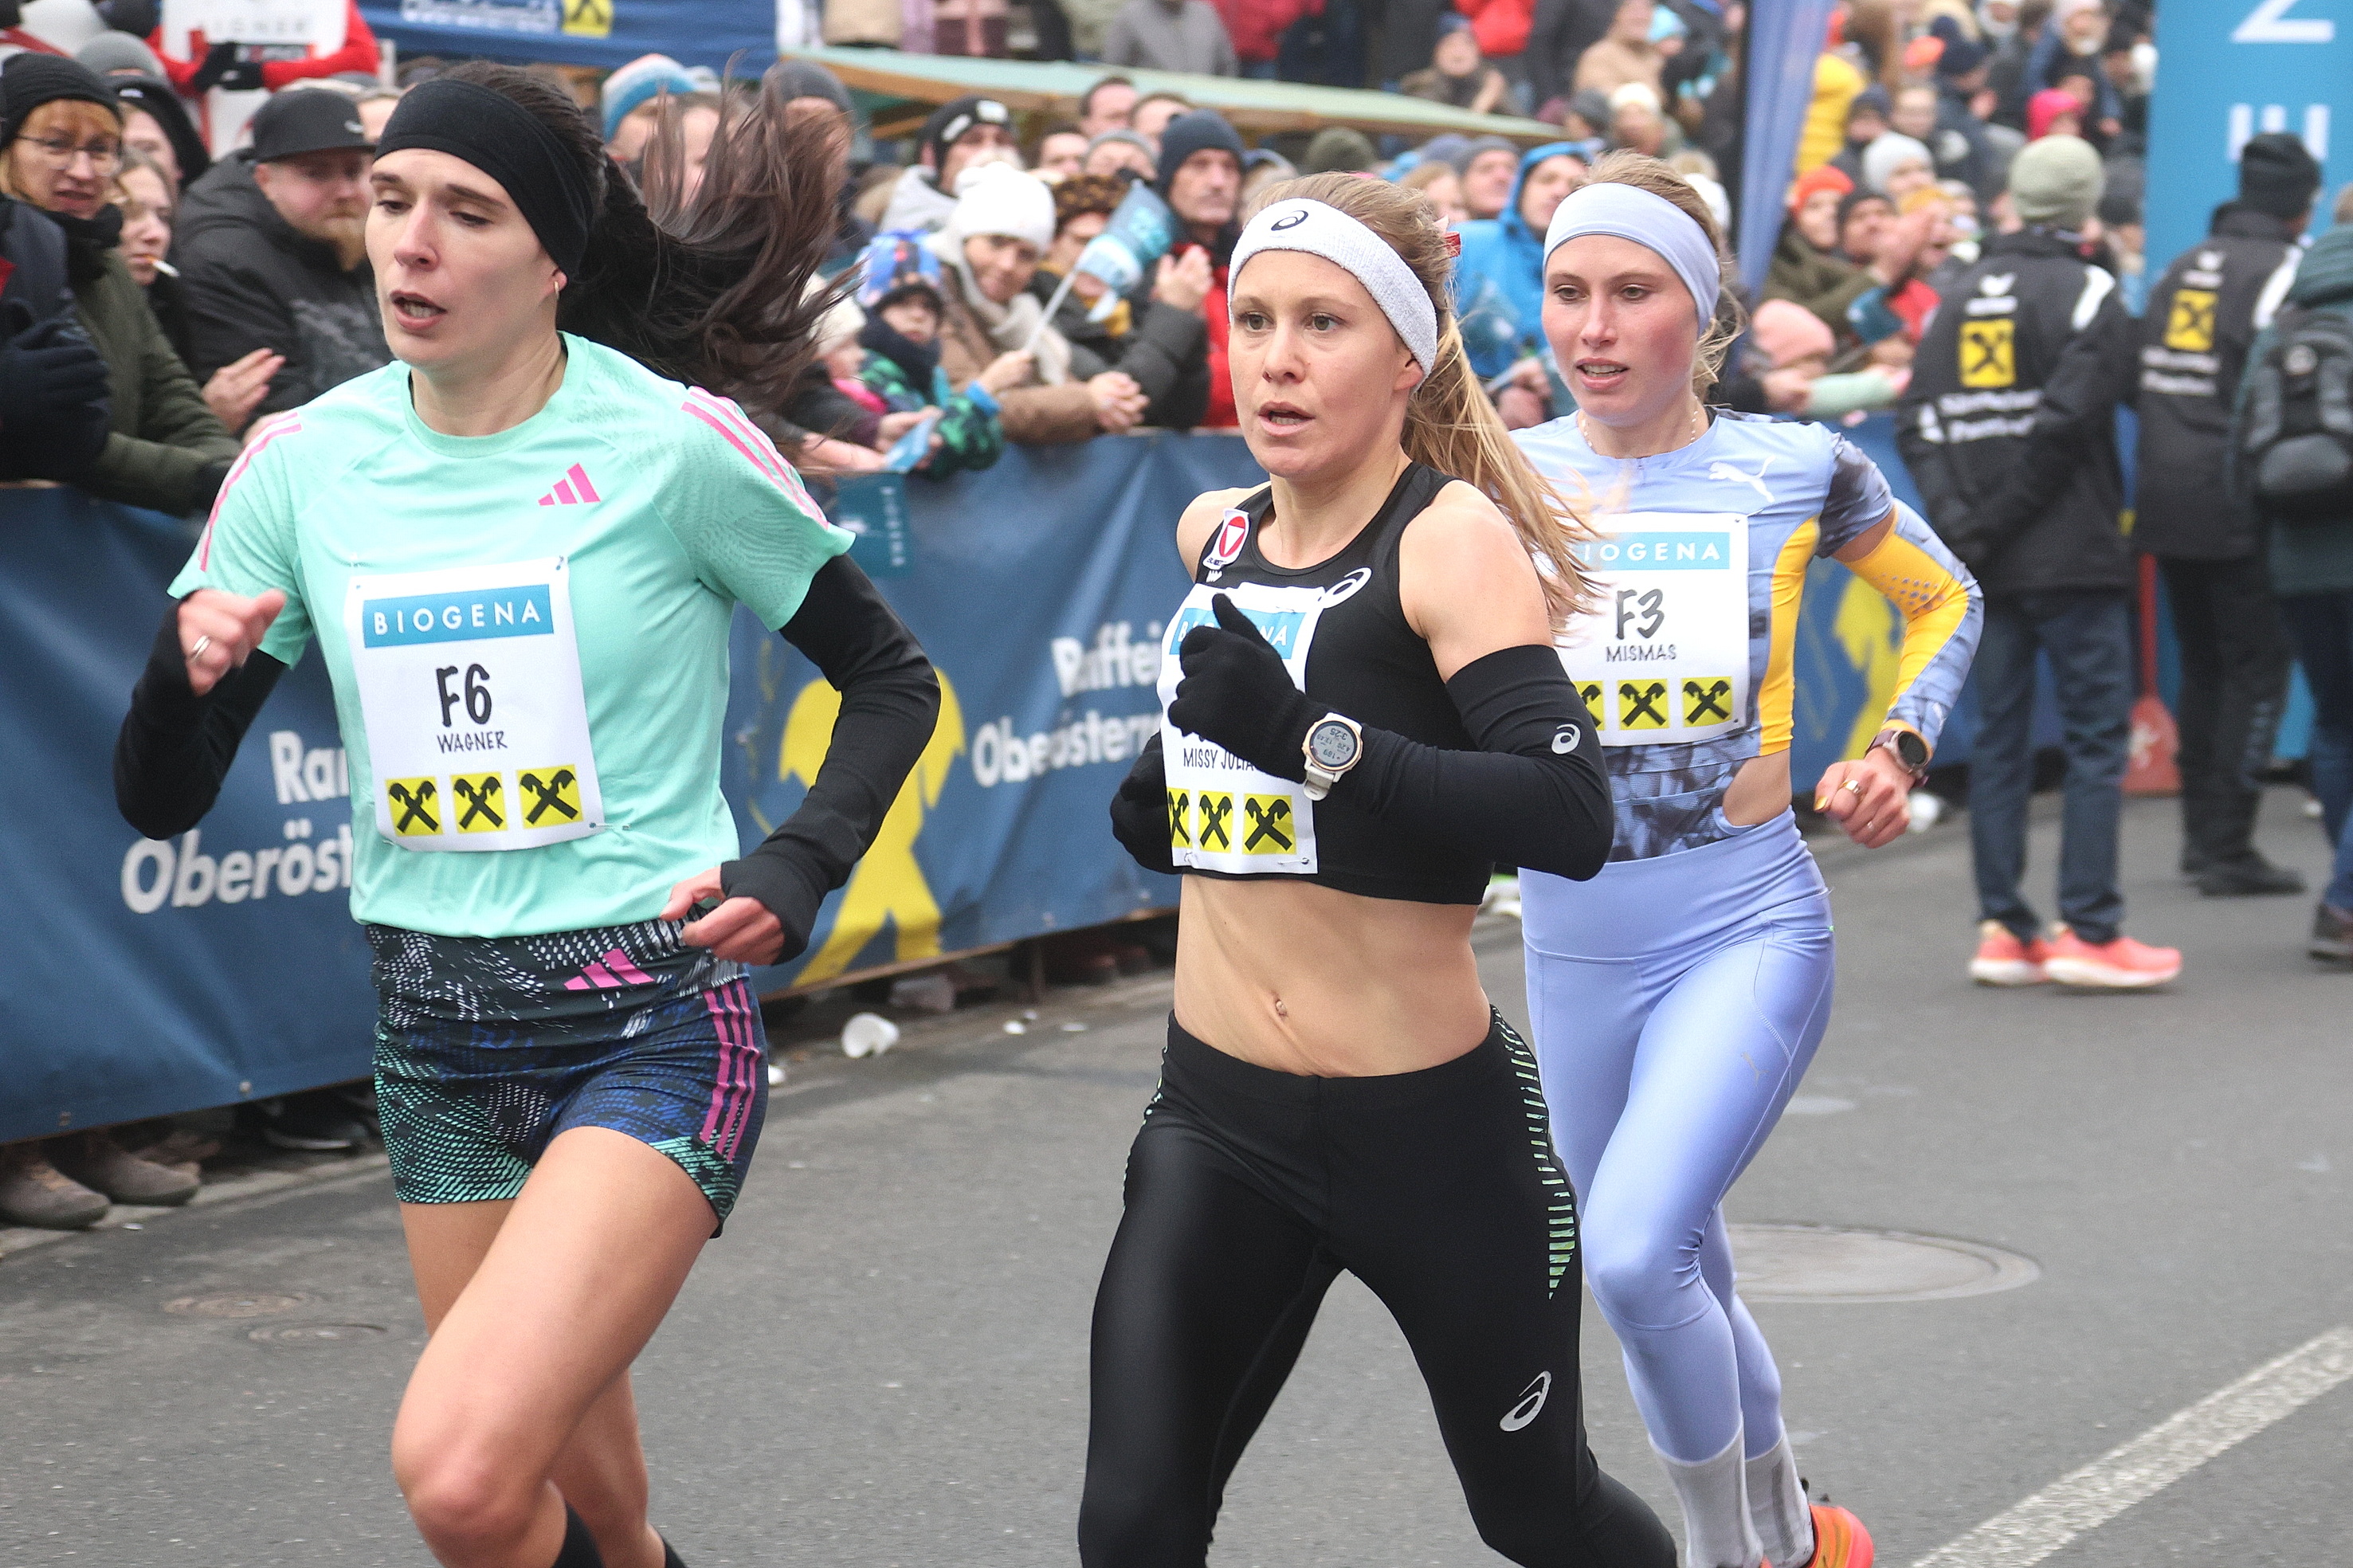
(1666, 658)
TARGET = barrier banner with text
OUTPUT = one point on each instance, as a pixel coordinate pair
(223, 965)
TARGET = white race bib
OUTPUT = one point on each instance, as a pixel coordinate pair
(469, 684)
(1666, 659)
(1223, 814)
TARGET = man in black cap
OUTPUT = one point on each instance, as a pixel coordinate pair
(2202, 316)
(272, 250)
(960, 133)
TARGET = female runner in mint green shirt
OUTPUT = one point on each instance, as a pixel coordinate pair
(518, 549)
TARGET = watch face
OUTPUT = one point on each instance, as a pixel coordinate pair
(1910, 749)
(1332, 744)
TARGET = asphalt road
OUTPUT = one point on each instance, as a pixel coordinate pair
(882, 1362)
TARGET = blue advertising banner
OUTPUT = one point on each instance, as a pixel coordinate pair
(2225, 70)
(599, 33)
(143, 978)
(223, 965)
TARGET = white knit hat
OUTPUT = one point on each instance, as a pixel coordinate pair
(997, 198)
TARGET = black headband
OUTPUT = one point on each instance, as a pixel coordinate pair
(512, 146)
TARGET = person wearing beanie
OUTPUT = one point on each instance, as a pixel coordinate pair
(1201, 179)
(1499, 274)
(112, 52)
(1185, 36)
(993, 330)
(2203, 318)
(156, 121)
(627, 102)
(960, 134)
(1339, 149)
(2009, 430)
(1895, 165)
(1490, 167)
(1122, 152)
(60, 154)
(1808, 269)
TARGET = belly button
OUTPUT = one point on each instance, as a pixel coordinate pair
(1280, 1010)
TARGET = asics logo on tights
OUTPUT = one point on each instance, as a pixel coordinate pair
(1530, 1405)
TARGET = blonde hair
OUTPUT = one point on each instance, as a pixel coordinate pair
(1647, 173)
(1450, 425)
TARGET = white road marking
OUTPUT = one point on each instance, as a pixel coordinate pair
(2089, 1497)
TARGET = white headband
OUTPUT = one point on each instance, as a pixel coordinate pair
(1629, 212)
(1320, 229)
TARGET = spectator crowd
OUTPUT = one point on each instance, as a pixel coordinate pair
(1961, 245)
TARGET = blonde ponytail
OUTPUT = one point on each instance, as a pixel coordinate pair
(1450, 425)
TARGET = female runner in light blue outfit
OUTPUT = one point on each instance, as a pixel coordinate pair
(1678, 997)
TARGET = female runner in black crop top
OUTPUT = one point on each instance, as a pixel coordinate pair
(1363, 713)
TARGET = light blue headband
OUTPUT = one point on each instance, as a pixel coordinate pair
(1629, 212)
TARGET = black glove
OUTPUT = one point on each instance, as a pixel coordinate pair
(1139, 811)
(218, 61)
(54, 408)
(137, 18)
(242, 76)
(1237, 692)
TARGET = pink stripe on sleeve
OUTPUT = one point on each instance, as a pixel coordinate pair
(287, 424)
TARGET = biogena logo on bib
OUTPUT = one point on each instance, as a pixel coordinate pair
(1116, 660)
(187, 872)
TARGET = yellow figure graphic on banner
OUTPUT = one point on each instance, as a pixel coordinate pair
(888, 887)
(1872, 632)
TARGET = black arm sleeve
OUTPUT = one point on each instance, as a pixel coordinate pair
(176, 747)
(890, 702)
(1533, 794)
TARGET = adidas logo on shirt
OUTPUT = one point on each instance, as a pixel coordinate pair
(572, 490)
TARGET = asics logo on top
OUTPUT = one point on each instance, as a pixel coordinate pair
(1346, 586)
(1564, 739)
(1530, 1405)
(572, 490)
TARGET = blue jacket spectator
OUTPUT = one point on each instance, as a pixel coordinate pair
(1499, 277)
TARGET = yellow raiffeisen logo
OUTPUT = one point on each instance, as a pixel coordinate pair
(588, 18)
(1989, 352)
(888, 888)
(2190, 324)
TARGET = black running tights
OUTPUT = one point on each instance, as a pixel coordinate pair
(1248, 1192)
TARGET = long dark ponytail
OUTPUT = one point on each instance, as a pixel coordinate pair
(716, 293)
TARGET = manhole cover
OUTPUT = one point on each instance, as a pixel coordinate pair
(1825, 1263)
(310, 1336)
(236, 1304)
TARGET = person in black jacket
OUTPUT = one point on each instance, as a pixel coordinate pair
(1155, 335)
(2202, 316)
(2008, 428)
(271, 253)
(54, 405)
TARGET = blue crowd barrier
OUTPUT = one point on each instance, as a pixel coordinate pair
(223, 965)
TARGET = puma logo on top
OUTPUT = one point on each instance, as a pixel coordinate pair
(1755, 481)
(572, 490)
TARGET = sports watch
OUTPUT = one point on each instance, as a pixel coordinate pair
(1910, 752)
(1332, 747)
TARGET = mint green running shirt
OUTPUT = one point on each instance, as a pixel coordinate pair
(652, 506)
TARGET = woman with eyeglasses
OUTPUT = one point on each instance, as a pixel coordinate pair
(60, 150)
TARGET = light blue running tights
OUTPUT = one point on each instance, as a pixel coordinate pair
(1676, 1003)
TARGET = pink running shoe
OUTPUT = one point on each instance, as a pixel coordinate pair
(2123, 964)
(2003, 960)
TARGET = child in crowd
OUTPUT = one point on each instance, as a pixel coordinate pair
(901, 349)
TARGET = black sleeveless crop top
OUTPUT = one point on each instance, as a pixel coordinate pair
(1364, 661)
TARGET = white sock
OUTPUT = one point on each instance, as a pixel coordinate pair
(1777, 1506)
(1717, 1532)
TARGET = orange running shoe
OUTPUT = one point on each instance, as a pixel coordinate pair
(2123, 964)
(2003, 960)
(1839, 1540)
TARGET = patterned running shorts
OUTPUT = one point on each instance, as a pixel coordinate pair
(488, 1048)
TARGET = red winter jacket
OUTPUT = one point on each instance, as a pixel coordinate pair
(1500, 25)
(358, 54)
(1257, 26)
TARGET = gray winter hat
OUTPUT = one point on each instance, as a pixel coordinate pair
(2056, 181)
